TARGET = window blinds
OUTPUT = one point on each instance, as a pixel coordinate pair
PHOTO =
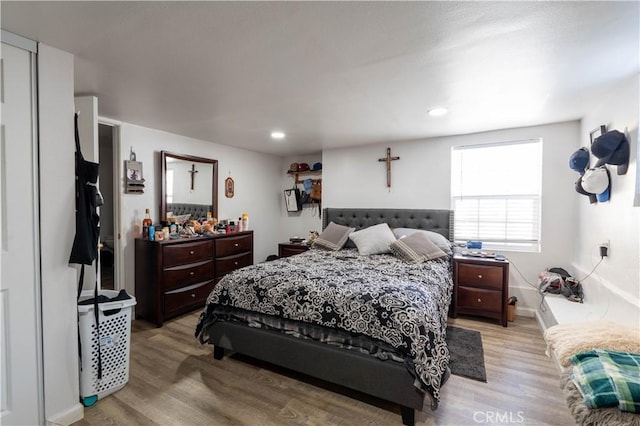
(495, 193)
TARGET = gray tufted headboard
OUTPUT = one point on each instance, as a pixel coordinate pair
(440, 221)
(197, 211)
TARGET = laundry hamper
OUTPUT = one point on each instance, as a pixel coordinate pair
(111, 349)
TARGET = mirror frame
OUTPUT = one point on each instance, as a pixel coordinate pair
(192, 158)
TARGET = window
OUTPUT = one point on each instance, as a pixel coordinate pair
(495, 194)
(169, 186)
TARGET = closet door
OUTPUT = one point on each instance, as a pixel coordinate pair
(20, 324)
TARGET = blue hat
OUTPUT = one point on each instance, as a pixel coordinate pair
(612, 148)
(579, 160)
(316, 166)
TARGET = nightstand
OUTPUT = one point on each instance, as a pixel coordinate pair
(481, 287)
(289, 249)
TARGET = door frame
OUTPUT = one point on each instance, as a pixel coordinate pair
(118, 255)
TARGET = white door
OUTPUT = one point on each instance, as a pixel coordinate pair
(20, 324)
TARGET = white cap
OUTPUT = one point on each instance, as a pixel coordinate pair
(595, 180)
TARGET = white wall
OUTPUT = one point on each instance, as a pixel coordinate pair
(613, 290)
(353, 177)
(298, 224)
(57, 219)
(257, 190)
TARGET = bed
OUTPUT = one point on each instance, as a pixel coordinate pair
(197, 211)
(337, 308)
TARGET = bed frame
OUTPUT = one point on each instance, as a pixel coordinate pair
(387, 380)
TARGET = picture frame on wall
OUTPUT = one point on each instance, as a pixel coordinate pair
(292, 200)
(596, 133)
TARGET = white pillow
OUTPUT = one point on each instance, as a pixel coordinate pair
(374, 239)
(438, 239)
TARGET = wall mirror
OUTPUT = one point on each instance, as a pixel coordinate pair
(189, 186)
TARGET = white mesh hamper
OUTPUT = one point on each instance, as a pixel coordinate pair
(114, 341)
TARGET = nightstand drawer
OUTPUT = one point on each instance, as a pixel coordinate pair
(287, 249)
(481, 276)
(476, 298)
(180, 254)
(183, 275)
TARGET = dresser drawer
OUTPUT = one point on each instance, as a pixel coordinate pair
(186, 298)
(183, 275)
(180, 254)
(477, 298)
(231, 263)
(233, 245)
(481, 276)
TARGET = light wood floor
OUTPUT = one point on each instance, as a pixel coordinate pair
(175, 381)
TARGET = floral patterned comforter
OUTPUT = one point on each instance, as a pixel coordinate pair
(380, 296)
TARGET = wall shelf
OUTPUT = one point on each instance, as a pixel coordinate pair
(296, 175)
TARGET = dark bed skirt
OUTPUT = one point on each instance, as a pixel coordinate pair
(387, 380)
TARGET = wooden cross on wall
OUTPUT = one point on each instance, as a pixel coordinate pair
(388, 159)
(193, 172)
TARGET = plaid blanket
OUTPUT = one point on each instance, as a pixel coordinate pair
(608, 379)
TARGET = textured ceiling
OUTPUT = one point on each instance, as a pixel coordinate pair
(333, 74)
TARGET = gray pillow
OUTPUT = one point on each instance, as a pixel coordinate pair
(416, 248)
(373, 240)
(438, 239)
(333, 237)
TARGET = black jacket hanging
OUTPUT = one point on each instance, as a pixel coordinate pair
(88, 199)
(85, 243)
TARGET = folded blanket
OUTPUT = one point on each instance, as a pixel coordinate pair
(608, 379)
(570, 339)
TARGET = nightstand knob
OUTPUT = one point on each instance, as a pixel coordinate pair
(480, 276)
(236, 244)
(192, 273)
(193, 295)
(236, 263)
(479, 300)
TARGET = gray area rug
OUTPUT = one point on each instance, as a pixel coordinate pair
(467, 355)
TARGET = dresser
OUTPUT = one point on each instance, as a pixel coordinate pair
(290, 249)
(173, 277)
(481, 287)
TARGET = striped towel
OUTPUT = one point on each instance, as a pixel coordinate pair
(608, 379)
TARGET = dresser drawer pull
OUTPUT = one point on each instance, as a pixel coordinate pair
(480, 276)
(235, 263)
(192, 273)
(237, 245)
(479, 300)
(193, 295)
(191, 252)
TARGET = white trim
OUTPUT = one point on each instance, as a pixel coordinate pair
(68, 417)
(35, 161)
(18, 41)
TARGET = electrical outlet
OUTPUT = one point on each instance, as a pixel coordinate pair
(604, 249)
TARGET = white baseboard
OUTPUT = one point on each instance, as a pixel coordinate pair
(72, 415)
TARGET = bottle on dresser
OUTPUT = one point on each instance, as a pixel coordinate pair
(245, 221)
(146, 223)
(239, 227)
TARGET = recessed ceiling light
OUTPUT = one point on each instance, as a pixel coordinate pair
(437, 111)
(277, 135)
